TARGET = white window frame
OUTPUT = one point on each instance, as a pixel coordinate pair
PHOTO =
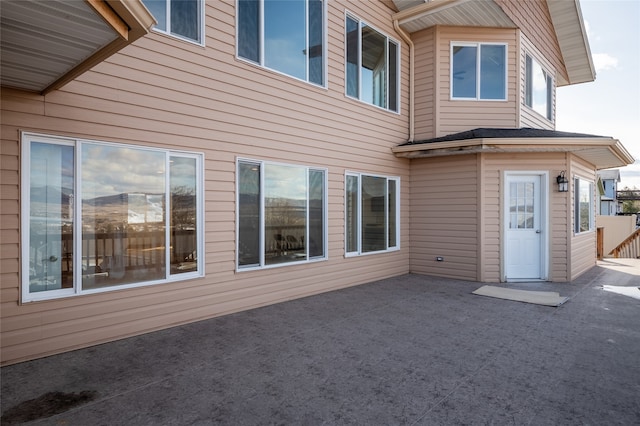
(261, 61)
(577, 217)
(262, 238)
(528, 94)
(359, 250)
(478, 45)
(201, 24)
(389, 39)
(76, 290)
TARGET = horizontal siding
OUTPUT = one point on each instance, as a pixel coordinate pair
(454, 115)
(444, 216)
(529, 117)
(162, 92)
(534, 20)
(493, 167)
(425, 83)
(583, 246)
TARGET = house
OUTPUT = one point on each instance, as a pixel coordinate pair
(607, 190)
(185, 160)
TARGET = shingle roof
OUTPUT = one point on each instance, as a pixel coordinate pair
(491, 133)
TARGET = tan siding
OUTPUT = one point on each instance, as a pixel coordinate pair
(166, 93)
(534, 20)
(529, 117)
(456, 116)
(425, 80)
(443, 216)
(494, 165)
(583, 246)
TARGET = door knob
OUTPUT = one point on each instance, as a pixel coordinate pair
(538, 231)
(53, 258)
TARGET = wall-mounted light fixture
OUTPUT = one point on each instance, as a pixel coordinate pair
(563, 182)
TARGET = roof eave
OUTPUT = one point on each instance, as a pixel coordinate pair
(45, 45)
(571, 33)
(130, 16)
(602, 152)
(469, 13)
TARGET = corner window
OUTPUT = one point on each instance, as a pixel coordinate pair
(372, 66)
(584, 205)
(282, 214)
(283, 35)
(181, 18)
(101, 216)
(538, 88)
(372, 213)
(479, 71)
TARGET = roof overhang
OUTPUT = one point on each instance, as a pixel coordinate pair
(416, 15)
(566, 16)
(46, 44)
(602, 152)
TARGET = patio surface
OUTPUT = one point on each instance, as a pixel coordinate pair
(411, 350)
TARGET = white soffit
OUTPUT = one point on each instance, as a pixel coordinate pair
(469, 13)
(42, 41)
(569, 26)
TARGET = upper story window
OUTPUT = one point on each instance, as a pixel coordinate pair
(284, 35)
(538, 88)
(181, 18)
(282, 214)
(479, 71)
(583, 194)
(100, 216)
(372, 65)
(372, 213)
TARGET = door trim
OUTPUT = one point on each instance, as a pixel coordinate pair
(544, 222)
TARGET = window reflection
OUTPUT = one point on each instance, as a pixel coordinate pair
(184, 220)
(478, 71)
(281, 214)
(373, 213)
(352, 214)
(249, 214)
(284, 35)
(316, 213)
(285, 213)
(371, 65)
(464, 71)
(539, 88)
(492, 72)
(51, 217)
(374, 82)
(371, 216)
(123, 205)
(182, 19)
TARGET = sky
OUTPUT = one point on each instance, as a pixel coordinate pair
(609, 106)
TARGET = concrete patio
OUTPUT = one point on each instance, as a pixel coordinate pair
(407, 350)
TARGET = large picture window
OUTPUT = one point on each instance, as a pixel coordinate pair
(372, 65)
(479, 71)
(283, 35)
(282, 214)
(181, 18)
(584, 205)
(538, 88)
(101, 216)
(372, 213)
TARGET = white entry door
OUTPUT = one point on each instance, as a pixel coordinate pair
(524, 255)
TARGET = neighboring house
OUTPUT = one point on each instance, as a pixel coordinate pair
(607, 190)
(244, 153)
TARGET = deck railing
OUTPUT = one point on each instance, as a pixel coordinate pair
(629, 248)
